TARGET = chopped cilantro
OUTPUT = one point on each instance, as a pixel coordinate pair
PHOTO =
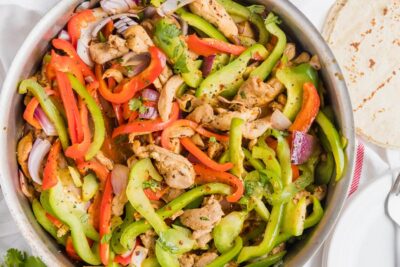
(257, 9)
(143, 109)
(106, 238)
(16, 258)
(212, 139)
(134, 104)
(101, 37)
(152, 184)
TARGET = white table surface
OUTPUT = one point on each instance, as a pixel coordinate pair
(28, 12)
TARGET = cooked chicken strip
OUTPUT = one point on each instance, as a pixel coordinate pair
(202, 114)
(167, 96)
(23, 150)
(216, 14)
(204, 259)
(222, 121)
(254, 129)
(255, 93)
(177, 171)
(103, 52)
(137, 39)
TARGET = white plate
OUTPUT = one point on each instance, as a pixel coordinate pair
(364, 235)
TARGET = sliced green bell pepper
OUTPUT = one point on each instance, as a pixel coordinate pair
(228, 79)
(235, 147)
(229, 255)
(268, 261)
(324, 169)
(256, 163)
(283, 153)
(294, 216)
(268, 156)
(316, 215)
(226, 231)
(335, 143)
(48, 107)
(117, 233)
(263, 71)
(96, 114)
(294, 78)
(167, 37)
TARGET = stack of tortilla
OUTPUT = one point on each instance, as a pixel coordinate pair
(365, 38)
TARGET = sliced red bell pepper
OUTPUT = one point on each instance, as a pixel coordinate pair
(77, 151)
(155, 195)
(200, 155)
(56, 222)
(63, 64)
(309, 109)
(147, 126)
(50, 169)
(94, 211)
(105, 224)
(71, 109)
(78, 22)
(206, 175)
(165, 140)
(29, 112)
(210, 46)
(135, 84)
(295, 172)
(69, 248)
(71, 52)
(107, 30)
(124, 261)
(99, 169)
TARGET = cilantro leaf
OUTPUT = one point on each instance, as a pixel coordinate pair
(34, 262)
(16, 258)
(152, 184)
(134, 104)
(257, 9)
(106, 238)
(212, 139)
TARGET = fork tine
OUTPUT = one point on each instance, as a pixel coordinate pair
(396, 187)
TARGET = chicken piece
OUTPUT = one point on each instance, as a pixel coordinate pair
(281, 247)
(189, 102)
(177, 171)
(202, 237)
(215, 13)
(167, 96)
(254, 129)
(162, 78)
(62, 231)
(214, 149)
(203, 218)
(255, 93)
(137, 39)
(149, 240)
(23, 149)
(181, 131)
(202, 114)
(246, 30)
(176, 145)
(172, 193)
(104, 52)
(26, 188)
(139, 150)
(204, 259)
(222, 121)
(187, 260)
(118, 204)
(198, 141)
(320, 192)
(104, 160)
(290, 51)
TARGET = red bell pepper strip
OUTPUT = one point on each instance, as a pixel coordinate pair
(69, 248)
(150, 194)
(206, 175)
(71, 109)
(105, 224)
(78, 150)
(124, 261)
(78, 22)
(56, 222)
(137, 83)
(50, 169)
(94, 211)
(63, 64)
(147, 126)
(99, 169)
(200, 155)
(71, 52)
(29, 113)
(309, 109)
(295, 172)
(210, 46)
(107, 30)
(165, 140)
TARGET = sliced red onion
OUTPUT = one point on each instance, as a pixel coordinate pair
(302, 147)
(24, 185)
(113, 7)
(207, 65)
(149, 11)
(133, 59)
(119, 178)
(279, 121)
(170, 6)
(82, 48)
(102, 23)
(86, 5)
(139, 254)
(39, 150)
(150, 114)
(47, 125)
(64, 35)
(150, 94)
(137, 69)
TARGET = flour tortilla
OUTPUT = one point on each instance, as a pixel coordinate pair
(365, 38)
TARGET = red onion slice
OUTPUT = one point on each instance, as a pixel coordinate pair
(119, 178)
(150, 114)
(302, 147)
(64, 35)
(150, 94)
(102, 23)
(279, 121)
(207, 65)
(139, 254)
(47, 125)
(117, 6)
(39, 150)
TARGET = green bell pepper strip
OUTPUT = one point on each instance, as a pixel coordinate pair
(201, 24)
(137, 176)
(270, 234)
(294, 216)
(164, 258)
(236, 155)
(48, 107)
(240, 11)
(257, 164)
(267, 155)
(260, 208)
(150, 262)
(65, 213)
(224, 157)
(324, 170)
(228, 228)
(117, 233)
(229, 78)
(40, 215)
(269, 261)
(228, 255)
(316, 215)
(254, 233)
(294, 78)
(96, 114)
(334, 141)
(130, 233)
(283, 154)
(263, 71)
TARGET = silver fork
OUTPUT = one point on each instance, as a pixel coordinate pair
(393, 210)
